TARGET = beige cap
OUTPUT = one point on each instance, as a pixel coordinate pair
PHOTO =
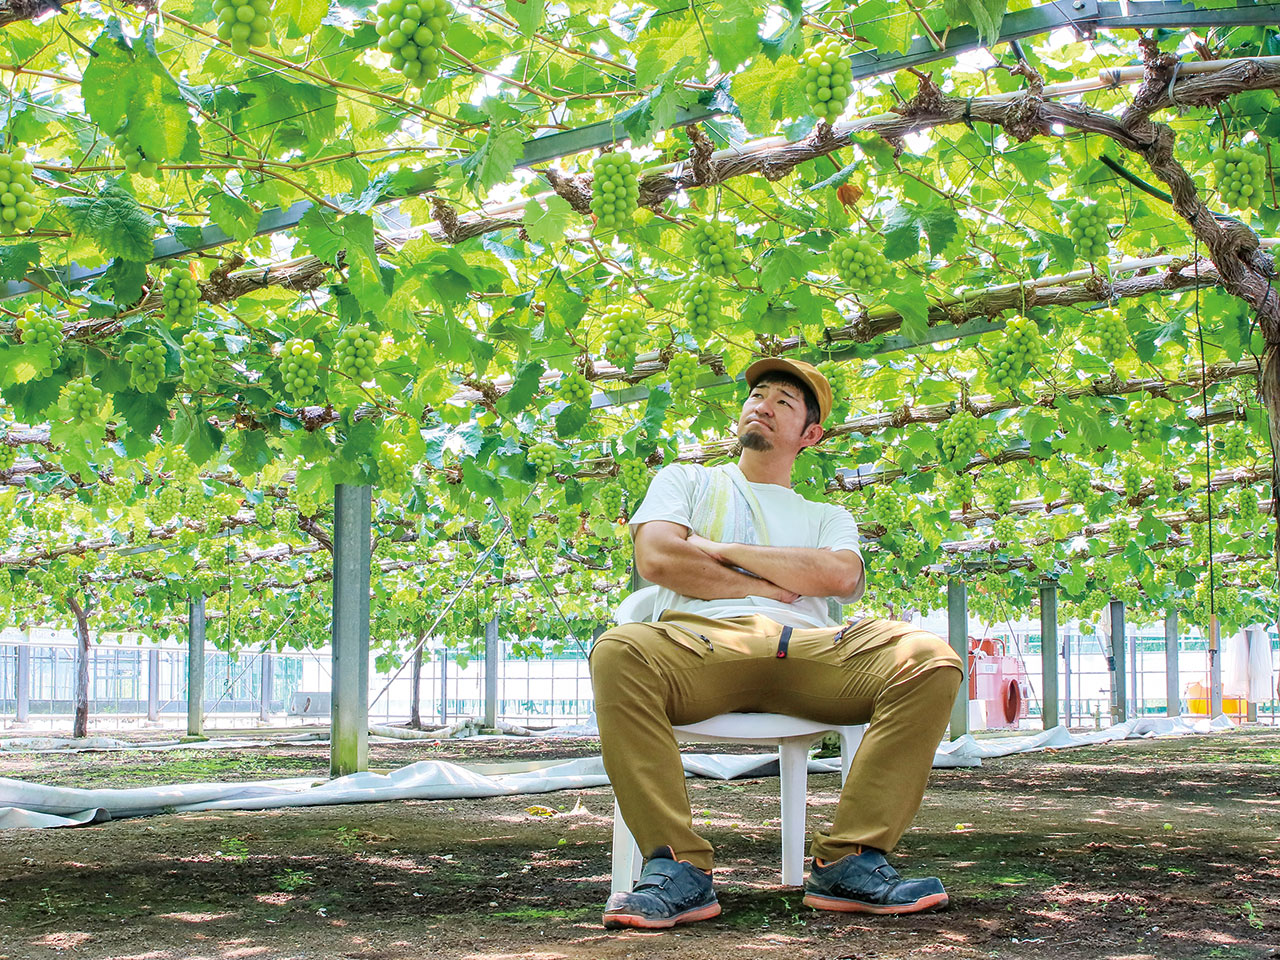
(807, 373)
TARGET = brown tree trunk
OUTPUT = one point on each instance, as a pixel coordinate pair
(80, 727)
(415, 694)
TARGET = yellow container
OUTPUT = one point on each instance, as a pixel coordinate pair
(1198, 703)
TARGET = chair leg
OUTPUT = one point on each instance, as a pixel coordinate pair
(793, 767)
(626, 855)
(850, 739)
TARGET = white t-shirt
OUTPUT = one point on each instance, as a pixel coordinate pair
(790, 521)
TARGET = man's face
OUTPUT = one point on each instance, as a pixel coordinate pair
(773, 416)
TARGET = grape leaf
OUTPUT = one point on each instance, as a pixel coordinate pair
(735, 36)
(493, 162)
(114, 221)
(527, 14)
(767, 91)
(907, 296)
(16, 260)
(676, 43)
(985, 15)
(306, 15)
(571, 420)
(547, 224)
(523, 388)
(235, 217)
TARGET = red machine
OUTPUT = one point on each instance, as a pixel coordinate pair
(998, 679)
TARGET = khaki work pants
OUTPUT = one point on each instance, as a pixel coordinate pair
(684, 668)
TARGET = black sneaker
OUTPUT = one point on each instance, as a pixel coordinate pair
(668, 892)
(865, 883)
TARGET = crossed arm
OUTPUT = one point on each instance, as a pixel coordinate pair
(673, 556)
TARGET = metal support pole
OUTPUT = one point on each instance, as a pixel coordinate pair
(264, 694)
(153, 685)
(444, 687)
(958, 637)
(1049, 654)
(23, 678)
(491, 673)
(349, 720)
(1251, 637)
(195, 667)
(1119, 700)
(1135, 670)
(1215, 669)
(1066, 676)
(1172, 682)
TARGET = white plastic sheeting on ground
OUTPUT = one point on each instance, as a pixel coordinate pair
(25, 804)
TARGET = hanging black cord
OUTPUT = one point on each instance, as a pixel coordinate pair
(1204, 398)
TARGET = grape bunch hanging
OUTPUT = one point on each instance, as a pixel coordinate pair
(413, 32)
(136, 160)
(1131, 479)
(1240, 174)
(83, 399)
(299, 369)
(542, 457)
(715, 244)
(859, 262)
(1235, 445)
(615, 189)
(623, 332)
(146, 359)
(960, 440)
(39, 328)
(634, 475)
(1113, 334)
(197, 359)
(355, 351)
(1001, 489)
(8, 455)
(1143, 423)
(1163, 483)
(1020, 350)
(609, 501)
(701, 298)
(17, 191)
(575, 388)
(682, 372)
(393, 466)
(1087, 225)
(827, 76)
(180, 297)
(243, 23)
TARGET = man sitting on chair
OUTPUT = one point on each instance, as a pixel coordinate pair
(745, 567)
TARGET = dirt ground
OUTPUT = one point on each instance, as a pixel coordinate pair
(1141, 849)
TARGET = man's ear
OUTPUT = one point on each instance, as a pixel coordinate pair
(812, 435)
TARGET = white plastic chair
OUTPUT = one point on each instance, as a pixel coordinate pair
(792, 736)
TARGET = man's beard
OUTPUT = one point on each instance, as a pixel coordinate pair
(755, 440)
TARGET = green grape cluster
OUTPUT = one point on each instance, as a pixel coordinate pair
(962, 489)
(1127, 592)
(1016, 354)
(682, 372)
(197, 359)
(1163, 483)
(243, 23)
(180, 295)
(1247, 504)
(263, 514)
(164, 506)
(487, 535)
(623, 332)
(1143, 423)
(224, 505)
(1235, 445)
(394, 469)
(1005, 529)
(1240, 174)
(1131, 478)
(40, 328)
(181, 467)
(354, 353)
(826, 73)
(542, 457)
(17, 191)
(136, 160)
(1113, 334)
(413, 32)
(715, 243)
(1087, 225)
(1120, 532)
(521, 517)
(615, 188)
(887, 510)
(634, 475)
(609, 501)
(568, 525)
(83, 399)
(8, 455)
(146, 360)
(701, 298)
(575, 388)
(299, 368)
(960, 440)
(859, 262)
(1077, 484)
(1001, 489)
(306, 503)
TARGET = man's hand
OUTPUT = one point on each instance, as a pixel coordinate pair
(766, 588)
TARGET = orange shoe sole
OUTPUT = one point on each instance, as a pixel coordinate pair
(935, 902)
(614, 921)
